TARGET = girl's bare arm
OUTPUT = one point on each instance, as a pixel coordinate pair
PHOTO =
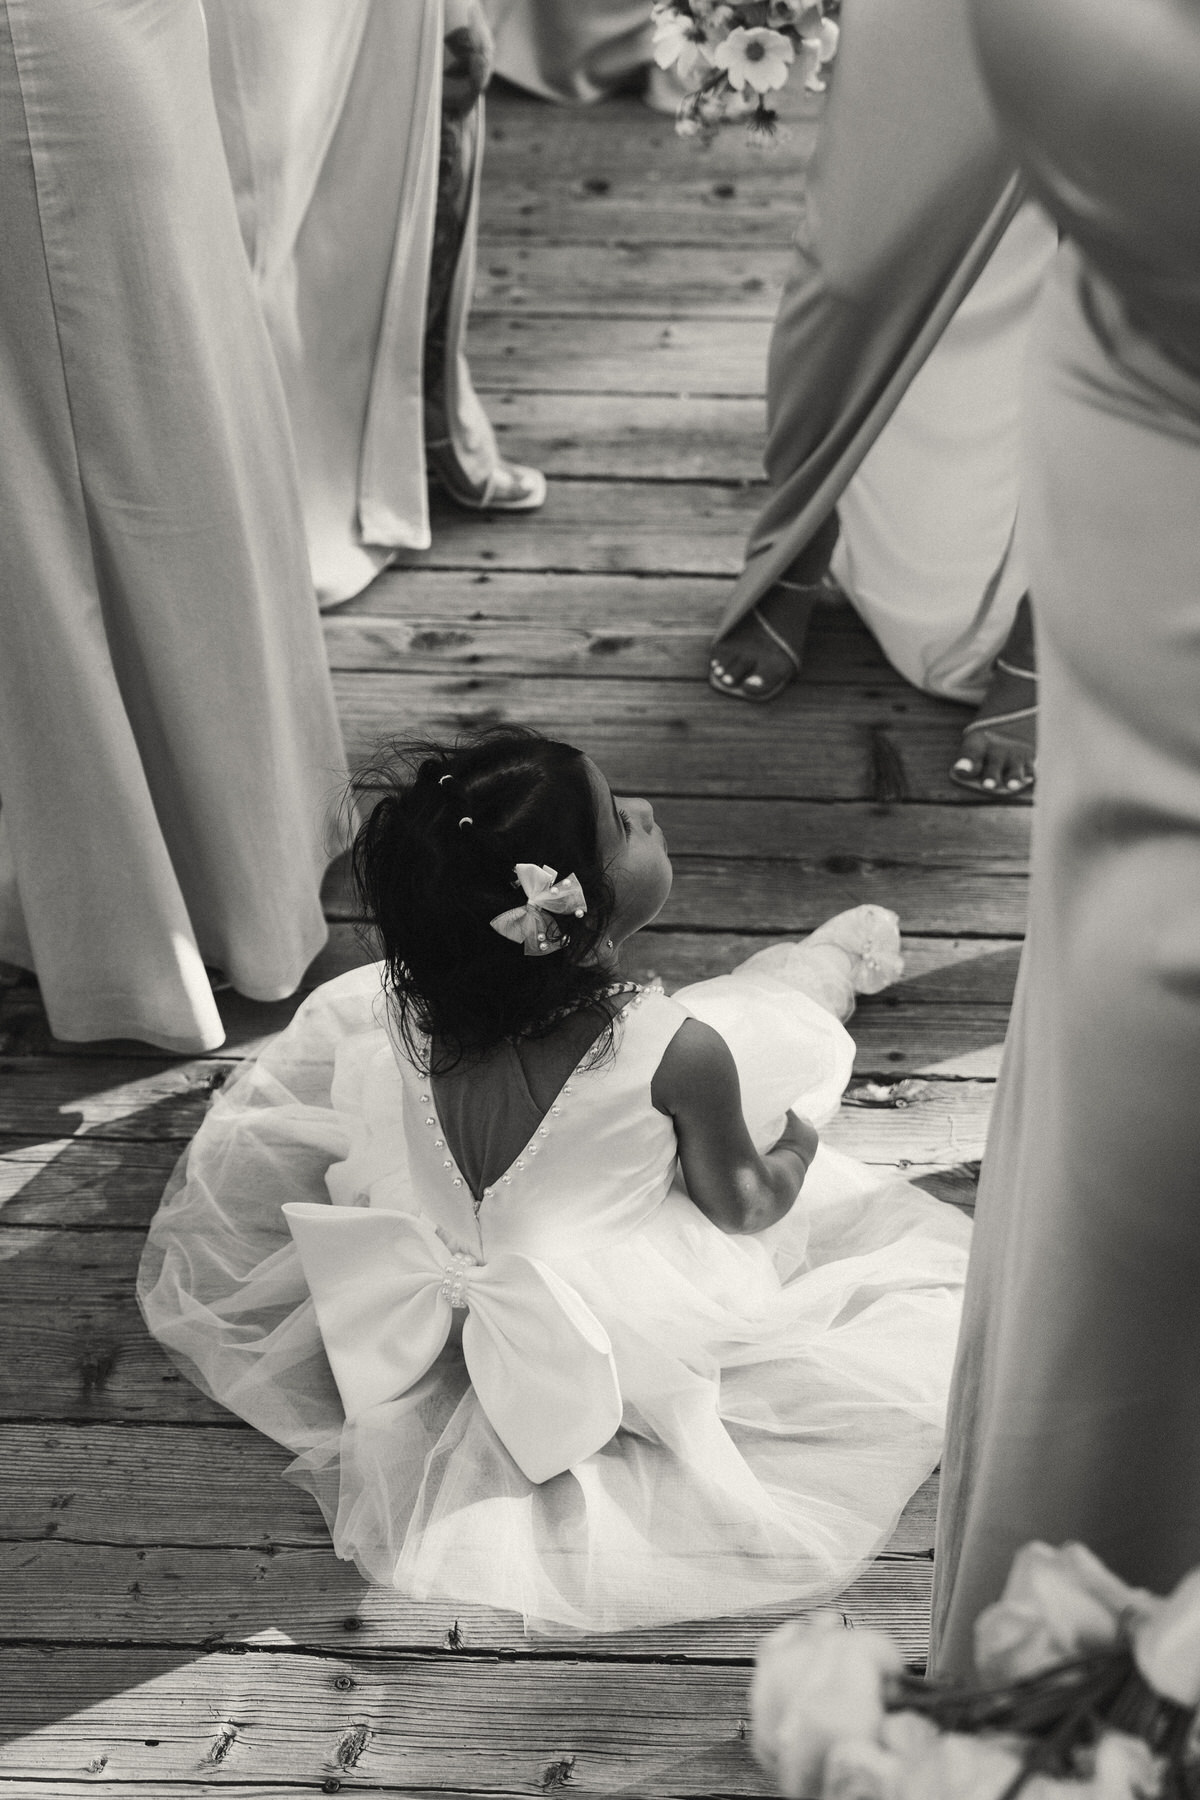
(740, 1190)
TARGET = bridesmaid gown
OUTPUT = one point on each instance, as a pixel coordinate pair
(556, 1388)
(570, 50)
(169, 750)
(1076, 1412)
(357, 199)
(895, 361)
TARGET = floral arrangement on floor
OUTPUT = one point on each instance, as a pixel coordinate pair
(1088, 1690)
(730, 54)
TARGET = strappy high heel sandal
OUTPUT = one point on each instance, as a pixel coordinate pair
(975, 783)
(752, 687)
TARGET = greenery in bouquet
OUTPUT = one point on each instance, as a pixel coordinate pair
(1086, 1689)
(730, 55)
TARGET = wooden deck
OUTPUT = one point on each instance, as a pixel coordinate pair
(172, 1620)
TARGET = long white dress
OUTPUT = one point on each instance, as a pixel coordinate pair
(641, 1418)
(332, 119)
(170, 755)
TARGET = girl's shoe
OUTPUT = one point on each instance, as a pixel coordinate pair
(508, 487)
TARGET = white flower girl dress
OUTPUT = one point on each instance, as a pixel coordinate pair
(575, 1397)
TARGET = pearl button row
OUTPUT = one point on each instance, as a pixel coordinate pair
(439, 1143)
(532, 1148)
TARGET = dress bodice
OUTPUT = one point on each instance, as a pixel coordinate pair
(595, 1169)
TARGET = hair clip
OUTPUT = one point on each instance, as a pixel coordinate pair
(443, 779)
(465, 820)
(531, 924)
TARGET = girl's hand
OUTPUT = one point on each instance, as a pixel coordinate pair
(470, 56)
(697, 1084)
(798, 1136)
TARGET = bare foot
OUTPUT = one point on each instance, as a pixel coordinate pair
(999, 747)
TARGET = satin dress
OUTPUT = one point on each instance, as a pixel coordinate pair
(896, 359)
(358, 200)
(1076, 1411)
(571, 50)
(554, 1387)
(170, 757)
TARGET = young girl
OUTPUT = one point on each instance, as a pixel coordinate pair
(508, 1250)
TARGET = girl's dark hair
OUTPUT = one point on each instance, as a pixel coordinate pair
(430, 884)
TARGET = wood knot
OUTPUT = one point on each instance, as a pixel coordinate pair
(223, 1743)
(352, 1746)
(557, 1774)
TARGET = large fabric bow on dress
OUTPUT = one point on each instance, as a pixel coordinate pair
(385, 1288)
(529, 924)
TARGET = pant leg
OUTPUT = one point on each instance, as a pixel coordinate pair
(908, 193)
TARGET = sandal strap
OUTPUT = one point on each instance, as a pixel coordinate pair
(1011, 669)
(777, 639)
(1008, 718)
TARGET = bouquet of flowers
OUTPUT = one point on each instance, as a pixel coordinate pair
(1087, 1690)
(730, 54)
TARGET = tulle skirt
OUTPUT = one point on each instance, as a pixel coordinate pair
(783, 1394)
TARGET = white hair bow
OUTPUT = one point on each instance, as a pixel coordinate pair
(385, 1288)
(544, 894)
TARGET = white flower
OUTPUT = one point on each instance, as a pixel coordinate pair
(679, 44)
(758, 56)
(1126, 1769)
(907, 1733)
(957, 1767)
(815, 1683)
(1166, 1643)
(1056, 1604)
(817, 48)
(857, 1769)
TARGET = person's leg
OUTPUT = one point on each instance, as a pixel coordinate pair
(460, 446)
(1076, 1411)
(999, 747)
(908, 193)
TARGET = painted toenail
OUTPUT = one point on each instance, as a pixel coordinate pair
(753, 681)
(964, 765)
(1014, 782)
(987, 782)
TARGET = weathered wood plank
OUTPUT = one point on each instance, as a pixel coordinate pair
(657, 738)
(122, 1096)
(750, 209)
(88, 1593)
(651, 437)
(590, 626)
(695, 528)
(618, 356)
(82, 1181)
(521, 1727)
(631, 280)
(221, 1486)
(526, 141)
